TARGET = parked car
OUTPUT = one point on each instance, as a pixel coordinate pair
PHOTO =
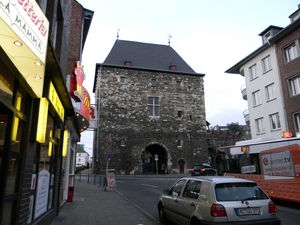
(203, 169)
(79, 165)
(216, 200)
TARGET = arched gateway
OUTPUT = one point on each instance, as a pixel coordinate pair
(148, 158)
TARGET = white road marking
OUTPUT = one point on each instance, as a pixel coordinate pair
(148, 185)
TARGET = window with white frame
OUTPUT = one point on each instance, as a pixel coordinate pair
(122, 79)
(256, 98)
(179, 113)
(297, 121)
(123, 142)
(266, 64)
(295, 85)
(121, 112)
(291, 52)
(267, 36)
(153, 82)
(259, 125)
(179, 143)
(275, 121)
(252, 72)
(270, 92)
(153, 106)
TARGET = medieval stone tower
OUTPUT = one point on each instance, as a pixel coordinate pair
(151, 108)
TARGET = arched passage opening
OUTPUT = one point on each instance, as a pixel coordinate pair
(148, 158)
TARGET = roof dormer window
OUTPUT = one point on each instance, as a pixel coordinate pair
(173, 67)
(267, 36)
(127, 63)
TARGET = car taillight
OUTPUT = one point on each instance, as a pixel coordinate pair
(272, 207)
(217, 210)
(203, 170)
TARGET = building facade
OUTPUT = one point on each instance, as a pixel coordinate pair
(269, 76)
(38, 123)
(151, 111)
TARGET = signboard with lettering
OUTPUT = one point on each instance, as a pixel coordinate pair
(42, 193)
(277, 164)
(55, 101)
(111, 181)
(26, 19)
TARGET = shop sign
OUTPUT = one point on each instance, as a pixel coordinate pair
(26, 19)
(65, 144)
(85, 104)
(55, 101)
(42, 120)
(76, 80)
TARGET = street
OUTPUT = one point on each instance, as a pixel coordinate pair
(144, 192)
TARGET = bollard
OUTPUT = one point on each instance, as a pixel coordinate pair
(88, 178)
(99, 181)
(70, 193)
(94, 179)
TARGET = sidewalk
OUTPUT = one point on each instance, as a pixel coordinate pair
(93, 206)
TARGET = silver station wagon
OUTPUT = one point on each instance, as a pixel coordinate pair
(216, 200)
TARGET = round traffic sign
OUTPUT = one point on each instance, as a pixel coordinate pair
(108, 157)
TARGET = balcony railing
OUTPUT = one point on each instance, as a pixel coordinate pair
(244, 92)
(247, 117)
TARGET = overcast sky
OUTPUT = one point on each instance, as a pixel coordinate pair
(210, 35)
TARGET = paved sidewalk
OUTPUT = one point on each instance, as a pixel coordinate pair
(94, 206)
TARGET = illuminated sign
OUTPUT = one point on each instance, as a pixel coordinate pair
(42, 120)
(65, 144)
(85, 104)
(76, 80)
(26, 19)
(55, 101)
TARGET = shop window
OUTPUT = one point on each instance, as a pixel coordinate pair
(7, 83)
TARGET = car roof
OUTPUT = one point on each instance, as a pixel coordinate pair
(220, 179)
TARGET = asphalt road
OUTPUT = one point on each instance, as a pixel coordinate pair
(144, 193)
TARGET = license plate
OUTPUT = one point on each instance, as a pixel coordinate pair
(196, 172)
(248, 211)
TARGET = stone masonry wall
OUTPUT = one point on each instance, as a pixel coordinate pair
(139, 130)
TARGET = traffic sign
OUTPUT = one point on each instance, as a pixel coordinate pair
(156, 157)
(108, 157)
(109, 143)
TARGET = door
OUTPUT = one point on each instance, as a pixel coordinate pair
(188, 201)
(181, 166)
(127, 168)
(170, 200)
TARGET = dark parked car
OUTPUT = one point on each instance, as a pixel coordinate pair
(216, 200)
(203, 169)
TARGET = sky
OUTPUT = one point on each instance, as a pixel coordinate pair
(210, 35)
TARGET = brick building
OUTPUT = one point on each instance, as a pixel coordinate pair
(150, 106)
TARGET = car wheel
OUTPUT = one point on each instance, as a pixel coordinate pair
(195, 221)
(161, 213)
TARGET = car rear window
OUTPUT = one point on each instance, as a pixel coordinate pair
(239, 192)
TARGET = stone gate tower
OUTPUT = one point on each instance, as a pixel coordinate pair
(150, 104)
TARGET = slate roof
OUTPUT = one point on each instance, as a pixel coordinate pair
(147, 56)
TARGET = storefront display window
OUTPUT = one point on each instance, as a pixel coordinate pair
(6, 84)
(7, 211)
(43, 189)
(17, 134)
(21, 97)
(12, 176)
